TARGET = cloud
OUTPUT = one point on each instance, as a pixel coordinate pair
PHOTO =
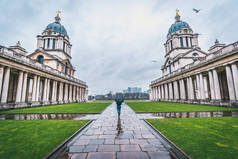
(115, 41)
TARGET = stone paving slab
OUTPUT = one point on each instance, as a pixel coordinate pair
(110, 137)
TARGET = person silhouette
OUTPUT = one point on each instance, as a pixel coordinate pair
(119, 101)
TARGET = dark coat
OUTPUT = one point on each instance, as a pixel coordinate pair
(119, 101)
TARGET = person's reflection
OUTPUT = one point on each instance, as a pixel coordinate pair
(119, 129)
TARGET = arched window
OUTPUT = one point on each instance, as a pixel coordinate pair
(195, 54)
(40, 59)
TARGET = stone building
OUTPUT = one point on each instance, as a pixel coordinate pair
(43, 77)
(192, 75)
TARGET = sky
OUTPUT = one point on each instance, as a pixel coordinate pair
(115, 41)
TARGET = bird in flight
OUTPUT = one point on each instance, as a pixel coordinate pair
(154, 61)
(196, 10)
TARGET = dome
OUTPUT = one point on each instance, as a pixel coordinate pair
(57, 27)
(178, 25)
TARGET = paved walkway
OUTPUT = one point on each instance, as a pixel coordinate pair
(111, 138)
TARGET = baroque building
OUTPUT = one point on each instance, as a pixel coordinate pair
(192, 75)
(43, 77)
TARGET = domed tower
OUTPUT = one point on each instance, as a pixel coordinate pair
(54, 48)
(180, 42)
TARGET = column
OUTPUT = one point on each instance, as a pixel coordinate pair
(53, 92)
(212, 89)
(162, 91)
(202, 93)
(45, 89)
(34, 88)
(23, 96)
(19, 87)
(159, 91)
(156, 95)
(188, 88)
(191, 88)
(66, 92)
(5, 85)
(37, 89)
(1, 78)
(166, 90)
(48, 90)
(235, 78)
(182, 89)
(230, 83)
(170, 91)
(60, 91)
(56, 90)
(205, 88)
(73, 92)
(70, 92)
(216, 85)
(198, 87)
(176, 93)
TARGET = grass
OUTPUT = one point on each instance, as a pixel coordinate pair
(63, 108)
(173, 107)
(34, 139)
(206, 138)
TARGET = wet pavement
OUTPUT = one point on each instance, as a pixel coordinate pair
(110, 137)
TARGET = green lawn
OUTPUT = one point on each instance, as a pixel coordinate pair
(34, 139)
(63, 108)
(202, 138)
(172, 107)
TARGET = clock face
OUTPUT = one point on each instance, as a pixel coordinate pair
(185, 30)
(49, 32)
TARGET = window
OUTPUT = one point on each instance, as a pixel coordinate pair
(53, 44)
(44, 44)
(171, 44)
(40, 59)
(181, 42)
(170, 67)
(186, 41)
(66, 69)
(64, 46)
(191, 42)
(48, 43)
(195, 54)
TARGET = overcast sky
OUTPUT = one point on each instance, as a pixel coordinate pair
(114, 41)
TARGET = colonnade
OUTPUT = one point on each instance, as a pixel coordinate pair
(21, 88)
(214, 85)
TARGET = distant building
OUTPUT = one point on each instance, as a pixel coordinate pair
(132, 90)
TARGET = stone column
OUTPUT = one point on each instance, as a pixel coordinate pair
(216, 85)
(156, 95)
(37, 89)
(212, 89)
(198, 87)
(19, 87)
(23, 96)
(34, 88)
(166, 91)
(188, 88)
(70, 92)
(56, 90)
(48, 90)
(45, 89)
(162, 91)
(191, 88)
(53, 92)
(176, 93)
(171, 91)
(182, 89)
(1, 78)
(5, 85)
(73, 94)
(205, 88)
(66, 92)
(159, 91)
(202, 93)
(230, 83)
(60, 91)
(235, 78)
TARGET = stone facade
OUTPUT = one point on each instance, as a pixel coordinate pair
(209, 78)
(42, 78)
